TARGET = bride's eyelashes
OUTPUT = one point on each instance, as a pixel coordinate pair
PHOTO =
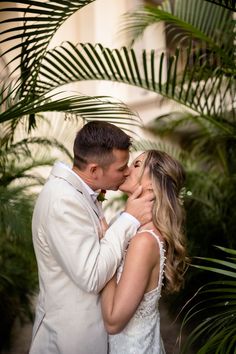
(137, 164)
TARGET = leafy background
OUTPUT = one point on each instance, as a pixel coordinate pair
(197, 71)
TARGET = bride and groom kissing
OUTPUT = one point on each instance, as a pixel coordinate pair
(99, 286)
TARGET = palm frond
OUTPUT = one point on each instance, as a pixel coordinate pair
(20, 160)
(23, 148)
(209, 94)
(218, 300)
(190, 87)
(16, 207)
(185, 20)
(85, 107)
(33, 27)
(228, 4)
(32, 31)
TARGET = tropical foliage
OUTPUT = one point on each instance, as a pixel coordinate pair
(21, 158)
(217, 299)
(22, 92)
(43, 71)
(229, 4)
(197, 71)
(210, 150)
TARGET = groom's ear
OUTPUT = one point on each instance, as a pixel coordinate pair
(94, 170)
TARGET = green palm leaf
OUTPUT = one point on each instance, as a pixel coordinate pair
(71, 63)
(48, 70)
(33, 32)
(87, 108)
(228, 4)
(37, 23)
(219, 303)
(187, 20)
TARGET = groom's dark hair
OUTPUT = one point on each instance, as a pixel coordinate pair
(96, 141)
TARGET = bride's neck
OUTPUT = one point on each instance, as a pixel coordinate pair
(147, 226)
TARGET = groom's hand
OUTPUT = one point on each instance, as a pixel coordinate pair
(140, 206)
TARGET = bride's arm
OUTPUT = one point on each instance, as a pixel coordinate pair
(120, 301)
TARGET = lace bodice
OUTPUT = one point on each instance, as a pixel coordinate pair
(142, 334)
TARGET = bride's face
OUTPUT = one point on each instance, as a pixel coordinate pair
(133, 180)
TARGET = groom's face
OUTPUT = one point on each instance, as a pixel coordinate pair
(115, 174)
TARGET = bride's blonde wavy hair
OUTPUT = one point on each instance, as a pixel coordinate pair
(167, 176)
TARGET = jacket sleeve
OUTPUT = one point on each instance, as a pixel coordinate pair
(74, 243)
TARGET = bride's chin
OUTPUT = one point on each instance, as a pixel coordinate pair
(125, 190)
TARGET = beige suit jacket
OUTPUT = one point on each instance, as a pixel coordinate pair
(73, 266)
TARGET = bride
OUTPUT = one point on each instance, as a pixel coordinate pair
(155, 258)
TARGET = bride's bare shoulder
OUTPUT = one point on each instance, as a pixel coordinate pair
(144, 241)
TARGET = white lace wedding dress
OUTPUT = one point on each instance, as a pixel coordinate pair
(142, 334)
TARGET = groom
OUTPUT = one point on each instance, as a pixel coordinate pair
(73, 264)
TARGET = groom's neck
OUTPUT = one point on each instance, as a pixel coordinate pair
(85, 177)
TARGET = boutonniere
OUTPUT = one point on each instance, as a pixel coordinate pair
(101, 195)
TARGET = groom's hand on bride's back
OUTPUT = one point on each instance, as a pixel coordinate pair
(140, 206)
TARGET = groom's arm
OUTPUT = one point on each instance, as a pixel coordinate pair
(74, 242)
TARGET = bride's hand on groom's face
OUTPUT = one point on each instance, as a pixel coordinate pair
(141, 206)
